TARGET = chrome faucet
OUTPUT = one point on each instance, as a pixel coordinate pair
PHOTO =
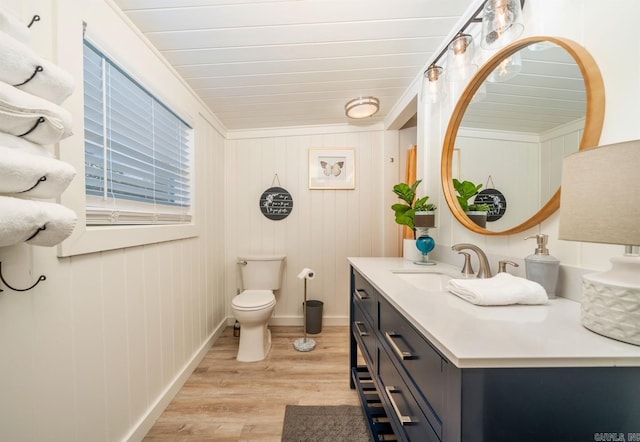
(485, 269)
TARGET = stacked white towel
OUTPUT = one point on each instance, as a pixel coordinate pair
(33, 176)
(13, 26)
(36, 222)
(502, 289)
(20, 113)
(18, 63)
(21, 145)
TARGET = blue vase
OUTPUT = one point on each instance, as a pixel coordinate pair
(425, 244)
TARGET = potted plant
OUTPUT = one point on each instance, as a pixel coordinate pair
(406, 213)
(476, 212)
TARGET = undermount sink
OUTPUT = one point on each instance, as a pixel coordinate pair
(429, 281)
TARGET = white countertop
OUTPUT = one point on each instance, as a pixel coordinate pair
(472, 336)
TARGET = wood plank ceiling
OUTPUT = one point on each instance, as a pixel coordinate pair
(279, 63)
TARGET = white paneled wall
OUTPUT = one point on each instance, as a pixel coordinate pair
(95, 352)
(325, 226)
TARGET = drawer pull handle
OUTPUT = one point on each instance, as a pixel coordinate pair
(401, 354)
(360, 332)
(361, 295)
(403, 419)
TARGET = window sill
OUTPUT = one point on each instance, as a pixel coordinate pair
(93, 239)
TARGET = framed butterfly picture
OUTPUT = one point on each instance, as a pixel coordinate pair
(332, 168)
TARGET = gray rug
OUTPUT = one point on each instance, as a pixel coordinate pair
(324, 424)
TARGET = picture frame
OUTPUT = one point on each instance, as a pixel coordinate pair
(332, 168)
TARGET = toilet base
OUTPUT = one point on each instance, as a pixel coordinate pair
(255, 343)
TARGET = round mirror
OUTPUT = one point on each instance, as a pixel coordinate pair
(531, 104)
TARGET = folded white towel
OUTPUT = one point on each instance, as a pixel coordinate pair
(31, 117)
(24, 146)
(13, 26)
(18, 63)
(33, 176)
(502, 289)
(36, 222)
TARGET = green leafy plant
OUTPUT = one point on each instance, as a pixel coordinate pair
(466, 190)
(405, 213)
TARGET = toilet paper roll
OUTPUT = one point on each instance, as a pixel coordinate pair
(307, 273)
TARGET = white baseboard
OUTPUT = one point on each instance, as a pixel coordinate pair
(298, 321)
(143, 426)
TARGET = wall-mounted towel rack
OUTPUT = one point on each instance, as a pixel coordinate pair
(40, 279)
(33, 20)
(35, 72)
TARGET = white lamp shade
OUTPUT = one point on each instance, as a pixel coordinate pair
(600, 198)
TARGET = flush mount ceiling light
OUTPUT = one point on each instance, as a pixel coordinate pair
(362, 107)
(501, 23)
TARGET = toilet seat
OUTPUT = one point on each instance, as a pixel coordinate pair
(253, 300)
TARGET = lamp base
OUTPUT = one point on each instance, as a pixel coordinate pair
(611, 300)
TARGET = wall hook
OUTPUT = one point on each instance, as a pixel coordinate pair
(40, 279)
(33, 20)
(35, 72)
(38, 122)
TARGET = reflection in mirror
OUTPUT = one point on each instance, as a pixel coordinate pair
(513, 140)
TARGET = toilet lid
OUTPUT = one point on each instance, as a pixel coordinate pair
(253, 299)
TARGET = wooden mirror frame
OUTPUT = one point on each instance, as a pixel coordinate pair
(594, 120)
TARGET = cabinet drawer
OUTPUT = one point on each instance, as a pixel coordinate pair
(365, 296)
(422, 363)
(364, 334)
(404, 411)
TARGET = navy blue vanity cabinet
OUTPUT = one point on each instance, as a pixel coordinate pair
(387, 391)
(427, 398)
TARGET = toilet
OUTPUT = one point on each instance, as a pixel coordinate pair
(260, 275)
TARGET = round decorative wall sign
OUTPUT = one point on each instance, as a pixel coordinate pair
(276, 203)
(496, 201)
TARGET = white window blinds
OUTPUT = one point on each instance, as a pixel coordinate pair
(137, 151)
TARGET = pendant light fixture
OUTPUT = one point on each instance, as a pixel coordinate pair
(501, 23)
(362, 107)
(433, 88)
(460, 58)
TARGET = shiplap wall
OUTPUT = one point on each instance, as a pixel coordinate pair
(325, 226)
(94, 352)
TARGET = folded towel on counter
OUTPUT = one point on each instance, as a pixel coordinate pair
(36, 222)
(21, 145)
(13, 26)
(31, 117)
(18, 63)
(502, 289)
(33, 176)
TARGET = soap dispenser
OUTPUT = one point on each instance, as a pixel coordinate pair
(542, 267)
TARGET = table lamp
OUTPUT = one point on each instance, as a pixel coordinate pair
(600, 202)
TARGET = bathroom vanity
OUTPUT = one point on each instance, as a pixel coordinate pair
(437, 368)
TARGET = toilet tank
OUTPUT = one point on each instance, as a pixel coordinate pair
(261, 272)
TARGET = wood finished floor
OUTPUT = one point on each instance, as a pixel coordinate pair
(226, 400)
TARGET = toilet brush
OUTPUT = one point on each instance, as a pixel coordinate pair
(305, 344)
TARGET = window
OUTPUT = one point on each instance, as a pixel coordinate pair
(137, 151)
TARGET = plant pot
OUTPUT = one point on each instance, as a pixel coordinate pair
(409, 250)
(480, 218)
(425, 219)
